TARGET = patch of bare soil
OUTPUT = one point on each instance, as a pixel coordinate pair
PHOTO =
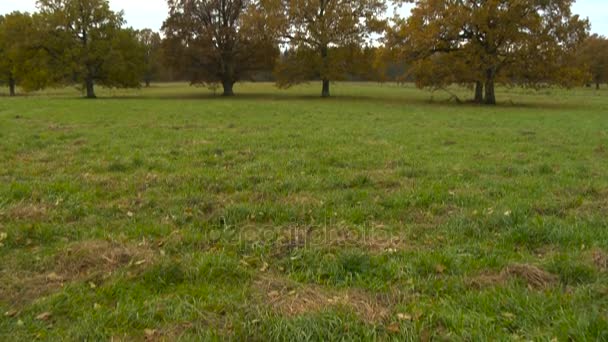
(535, 277)
(292, 299)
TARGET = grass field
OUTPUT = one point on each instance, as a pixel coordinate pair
(168, 213)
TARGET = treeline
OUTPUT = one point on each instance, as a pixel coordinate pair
(476, 43)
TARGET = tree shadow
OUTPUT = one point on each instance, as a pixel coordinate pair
(443, 101)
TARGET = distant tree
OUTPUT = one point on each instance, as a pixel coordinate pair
(21, 63)
(151, 44)
(594, 56)
(89, 46)
(484, 42)
(221, 41)
(319, 32)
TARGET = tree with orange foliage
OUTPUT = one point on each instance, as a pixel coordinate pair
(484, 42)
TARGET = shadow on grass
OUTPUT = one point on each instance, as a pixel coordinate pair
(418, 101)
(391, 97)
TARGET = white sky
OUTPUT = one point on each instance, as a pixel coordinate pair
(151, 13)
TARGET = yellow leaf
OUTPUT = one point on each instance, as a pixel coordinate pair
(404, 317)
(11, 313)
(395, 328)
(45, 316)
(54, 277)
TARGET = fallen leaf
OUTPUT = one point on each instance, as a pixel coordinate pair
(264, 267)
(440, 268)
(274, 294)
(92, 285)
(141, 262)
(149, 332)
(54, 277)
(395, 328)
(3, 236)
(508, 213)
(404, 317)
(130, 214)
(20, 323)
(45, 316)
(11, 313)
(508, 315)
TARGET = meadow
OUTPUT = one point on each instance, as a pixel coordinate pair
(382, 213)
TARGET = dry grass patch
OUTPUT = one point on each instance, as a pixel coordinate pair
(291, 299)
(600, 260)
(26, 212)
(535, 277)
(89, 258)
(91, 261)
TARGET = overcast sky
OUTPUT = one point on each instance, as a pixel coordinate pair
(151, 13)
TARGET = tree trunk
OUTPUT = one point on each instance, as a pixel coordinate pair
(90, 85)
(325, 92)
(11, 86)
(325, 57)
(597, 85)
(228, 88)
(478, 92)
(490, 93)
(147, 83)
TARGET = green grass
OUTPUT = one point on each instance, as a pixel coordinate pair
(169, 213)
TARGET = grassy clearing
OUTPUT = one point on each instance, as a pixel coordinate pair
(166, 213)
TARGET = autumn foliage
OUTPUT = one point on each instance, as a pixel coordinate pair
(472, 43)
(525, 42)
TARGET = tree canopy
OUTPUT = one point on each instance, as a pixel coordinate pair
(473, 43)
(151, 44)
(221, 41)
(526, 42)
(593, 55)
(89, 45)
(323, 35)
(21, 63)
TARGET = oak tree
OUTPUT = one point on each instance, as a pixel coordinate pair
(151, 44)
(89, 45)
(221, 41)
(484, 42)
(320, 33)
(21, 62)
(593, 55)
